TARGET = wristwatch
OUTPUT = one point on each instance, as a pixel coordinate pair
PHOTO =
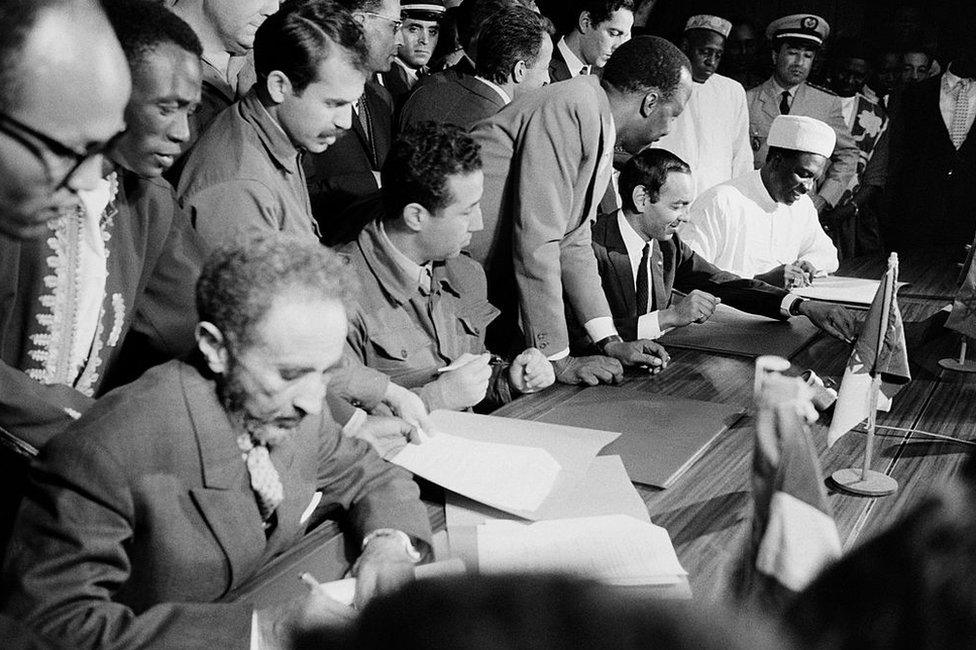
(408, 546)
(795, 306)
(602, 343)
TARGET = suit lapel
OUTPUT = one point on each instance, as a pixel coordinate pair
(224, 500)
(620, 261)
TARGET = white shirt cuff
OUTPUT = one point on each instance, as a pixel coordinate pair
(562, 354)
(649, 326)
(255, 632)
(600, 328)
(357, 420)
(788, 301)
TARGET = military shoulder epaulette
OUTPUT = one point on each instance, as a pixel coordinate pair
(823, 89)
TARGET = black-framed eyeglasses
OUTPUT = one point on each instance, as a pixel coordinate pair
(397, 24)
(53, 154)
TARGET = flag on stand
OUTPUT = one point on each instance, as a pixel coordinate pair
(963, 316)
(793, 532)
(880, 350)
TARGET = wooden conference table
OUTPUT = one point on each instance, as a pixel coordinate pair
(707, 510)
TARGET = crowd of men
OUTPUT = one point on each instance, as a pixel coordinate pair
(248, 246)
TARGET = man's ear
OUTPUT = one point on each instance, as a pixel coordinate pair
(650, 101)
(639, 197)
(685, 46)
(583, 22)
(775, 55)
(518, 71)
(415, 216)
(278, 86)
(213, 346)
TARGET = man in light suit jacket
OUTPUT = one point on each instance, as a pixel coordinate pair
(796, 40)
(641, 259)
(177, 488)
(513, 61)
(547, 162)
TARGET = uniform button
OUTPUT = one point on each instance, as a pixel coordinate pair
(403, 352)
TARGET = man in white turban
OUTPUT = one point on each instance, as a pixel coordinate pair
(763, 224)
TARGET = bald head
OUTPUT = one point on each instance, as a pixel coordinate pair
(65, 81)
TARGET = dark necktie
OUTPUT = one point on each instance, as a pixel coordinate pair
(642, 281)
(784, 103)
(660, 296)
(367, 123)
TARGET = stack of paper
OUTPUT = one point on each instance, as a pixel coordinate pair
(616, 549)
(852, 291)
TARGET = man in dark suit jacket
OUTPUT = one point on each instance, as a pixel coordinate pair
(177, 488)
(641, 259)
(931, 177)
(514, 60)
(596, 28)
(350, 168)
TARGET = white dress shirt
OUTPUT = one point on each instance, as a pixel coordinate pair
(649, 324)
(573, 62)
(738, 227)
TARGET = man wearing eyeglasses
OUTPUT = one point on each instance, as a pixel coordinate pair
(64, 84)
(350, 169)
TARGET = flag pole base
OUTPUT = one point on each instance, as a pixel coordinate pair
(873, 484)
(955, 366)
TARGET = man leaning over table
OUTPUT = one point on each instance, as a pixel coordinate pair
(763, 224)
(173, 490)
(641, 258)
(422, 304)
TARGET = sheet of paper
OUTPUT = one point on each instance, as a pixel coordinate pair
(603, 489)
(613, 548)
(345, 590)
(572, 447)
(501, 475)
(833, 288)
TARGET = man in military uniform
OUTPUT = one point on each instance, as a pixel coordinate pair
(796, 40)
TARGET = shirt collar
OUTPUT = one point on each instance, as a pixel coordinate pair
(395, 279)
(411, 73)
(408, 268)
(761, 195)
(506, 100)
(632, 240)
(270, 133)
(573, 62)
(780, 90)
(950, 80)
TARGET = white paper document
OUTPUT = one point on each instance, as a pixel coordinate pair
(833, 288)
(504, 476)
(603, 489)
(616, 549)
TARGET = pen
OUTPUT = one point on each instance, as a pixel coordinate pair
(309, 579)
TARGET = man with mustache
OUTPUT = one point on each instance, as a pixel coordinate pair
(712, 133)
(245, 173)
(763, 224)
(177, 488)
(796, 41)
(642, 258)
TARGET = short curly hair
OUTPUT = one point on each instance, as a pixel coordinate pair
(646, 62)
(143, 25)
(419, 163)
(240, 280)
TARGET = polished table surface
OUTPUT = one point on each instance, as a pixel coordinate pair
(707, 510)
